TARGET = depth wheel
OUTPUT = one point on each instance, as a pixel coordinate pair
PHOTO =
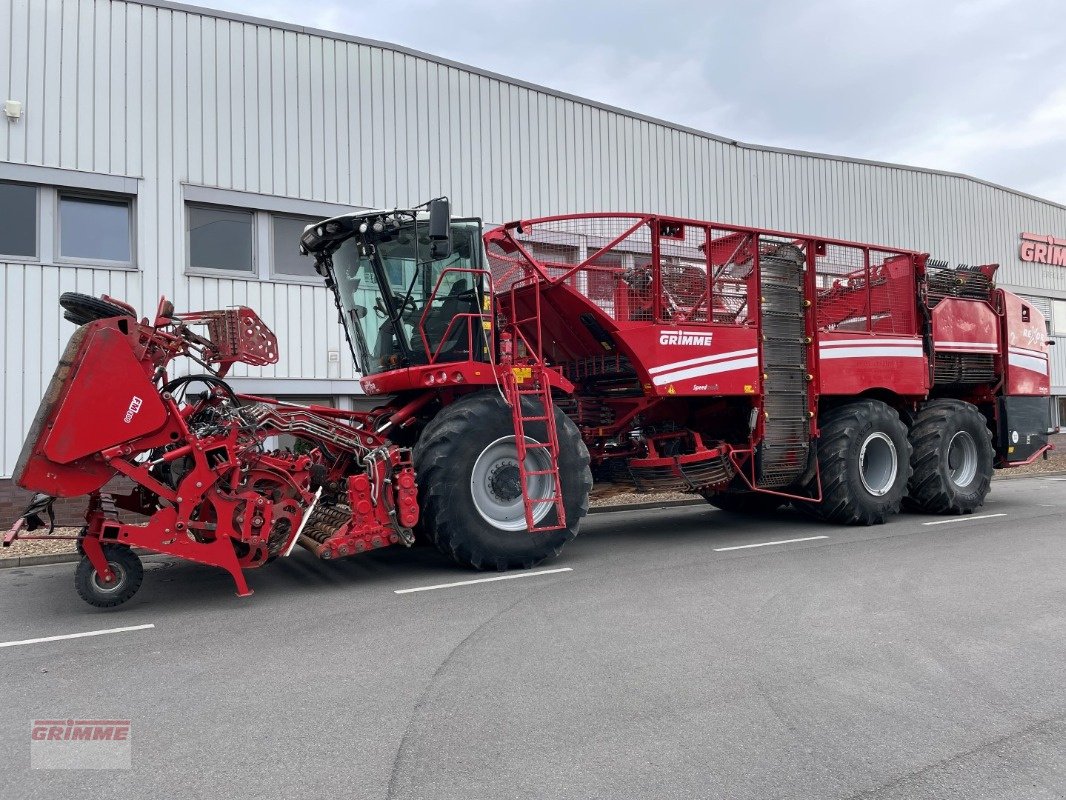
(128, 571)
(470, 491)
(952, 459)
(864, 461)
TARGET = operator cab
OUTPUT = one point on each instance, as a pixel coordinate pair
(410, 284)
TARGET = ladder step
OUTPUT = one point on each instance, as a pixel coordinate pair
(533, 419)
(538, 446)
(531, 472)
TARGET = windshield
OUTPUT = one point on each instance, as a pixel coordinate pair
(386, 298)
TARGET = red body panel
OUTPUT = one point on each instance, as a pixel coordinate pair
(697, 361)
(854, 363)
(1024, 337)
(965, 326)
(112, 384)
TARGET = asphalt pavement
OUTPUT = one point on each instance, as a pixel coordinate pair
(679, 653)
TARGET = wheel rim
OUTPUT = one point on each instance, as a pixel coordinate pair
(115, 585)
(496, 487)
(962, 459)
(878, 464)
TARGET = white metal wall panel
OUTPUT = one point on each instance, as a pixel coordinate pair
(172, 95)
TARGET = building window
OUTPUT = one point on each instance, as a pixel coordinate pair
(95, 228)
(221, 239)
(18, 220)
(1058, 317)
(285, 232)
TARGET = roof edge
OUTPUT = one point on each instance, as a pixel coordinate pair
(233, 16)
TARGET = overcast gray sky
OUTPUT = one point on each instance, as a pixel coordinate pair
(977, 87)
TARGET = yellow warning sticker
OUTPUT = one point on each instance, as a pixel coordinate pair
(670, 389)
(521, 373)
(749, 389)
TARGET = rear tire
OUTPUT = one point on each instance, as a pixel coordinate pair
(83, 308)
(952, 459)
(468, 486)
(864, 462)
(128, 576)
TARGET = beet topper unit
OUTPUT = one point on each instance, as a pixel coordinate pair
(518, 367)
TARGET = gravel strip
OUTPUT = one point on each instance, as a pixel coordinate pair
(40, 548)
(1055, 463)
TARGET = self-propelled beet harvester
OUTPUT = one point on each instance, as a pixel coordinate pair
(752, 367)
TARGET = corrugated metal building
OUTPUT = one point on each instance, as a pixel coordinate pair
(161, 148)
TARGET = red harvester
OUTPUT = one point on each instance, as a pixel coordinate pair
(652, 353)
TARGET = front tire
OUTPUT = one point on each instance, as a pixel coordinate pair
(864, 462)
(128, 572)
(952, 459)
(469, 488)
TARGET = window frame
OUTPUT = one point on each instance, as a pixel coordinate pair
(280, 277)
(59, 192)
(36, 258)
(252, 274)
(1058, 319)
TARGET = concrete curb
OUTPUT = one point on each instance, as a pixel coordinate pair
(59, 558)
(1008, 476)
(37, 561)
(73, 558)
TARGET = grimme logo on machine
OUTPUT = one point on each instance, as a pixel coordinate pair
(1039, 249)
(690, 339)
(131, 412)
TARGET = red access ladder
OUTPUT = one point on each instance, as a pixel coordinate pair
(529, 381)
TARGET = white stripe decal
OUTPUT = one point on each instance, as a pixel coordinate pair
(870, 352)
(986, 346)
(703, 360)
(868, 342)
(1024, 352)
(706, 369)
(1025, 362)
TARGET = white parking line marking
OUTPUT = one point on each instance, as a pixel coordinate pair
(767, 544)
(77, 635)
(484, 580)
(963, 519)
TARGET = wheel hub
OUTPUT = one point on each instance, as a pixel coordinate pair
(505, 481)
(496, 485)
(878, 464)
(112, 585)
(962, 459)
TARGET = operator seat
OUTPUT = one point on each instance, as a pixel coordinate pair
(437, 319)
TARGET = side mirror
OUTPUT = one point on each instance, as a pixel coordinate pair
(440, 227)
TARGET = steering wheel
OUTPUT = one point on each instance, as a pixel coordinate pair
(409, 307)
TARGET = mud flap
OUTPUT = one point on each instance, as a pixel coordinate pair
(1023, 425)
